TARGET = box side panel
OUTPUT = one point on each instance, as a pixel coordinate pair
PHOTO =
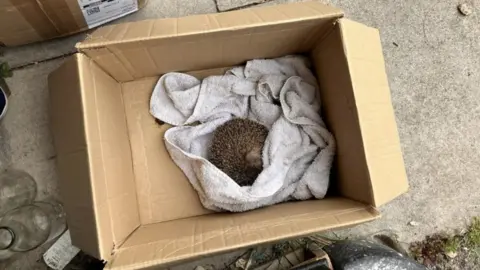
(109, 152)
(65, 15)
(166, 242)
(93, 155)
(29, 21)
(340, 113)
(67, 123)
(105, 59)
(163, 191)
(375, 111)
(151, 48)
(197, 24)
(15, 29)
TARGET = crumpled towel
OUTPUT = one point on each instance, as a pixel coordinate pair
(298, 152)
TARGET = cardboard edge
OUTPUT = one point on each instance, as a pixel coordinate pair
(75, 211)
(88, 215)
(91, 44)
(401, 186)
(342, 92)
(369, 211)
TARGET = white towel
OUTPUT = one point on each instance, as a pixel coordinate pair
(298, 152)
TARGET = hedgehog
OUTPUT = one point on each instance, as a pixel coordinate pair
(236, 149)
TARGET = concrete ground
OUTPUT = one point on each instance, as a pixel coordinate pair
(432, 56)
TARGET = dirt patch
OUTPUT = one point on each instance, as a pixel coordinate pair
(450, 252)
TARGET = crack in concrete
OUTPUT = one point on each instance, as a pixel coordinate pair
(23, 66)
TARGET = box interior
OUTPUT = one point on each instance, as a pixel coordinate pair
(131, 205)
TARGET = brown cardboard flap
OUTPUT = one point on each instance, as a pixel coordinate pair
(94, 157)
(357, 108)
(201, 24)
(25, 21)
(340, 113)
(72, 159)
(109, 151)
(153, 47)
(64, 15)
(182, 239)
(375, 111)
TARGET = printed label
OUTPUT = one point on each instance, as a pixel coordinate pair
(61, 253)
(98, 12)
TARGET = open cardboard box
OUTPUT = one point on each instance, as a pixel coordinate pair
(129, 204)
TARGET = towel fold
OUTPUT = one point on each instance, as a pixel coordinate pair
(282, 94)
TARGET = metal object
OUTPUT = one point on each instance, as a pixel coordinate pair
(367, 255)
(4, 93)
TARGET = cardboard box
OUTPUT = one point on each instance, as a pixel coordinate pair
(129, 204)
(27, 21)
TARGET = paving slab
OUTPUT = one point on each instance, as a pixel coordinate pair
(31, 53)
(432, 60)
(171, 8)
(225, 5)
(26, 141)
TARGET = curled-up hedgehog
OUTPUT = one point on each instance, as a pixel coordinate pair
(236, 149)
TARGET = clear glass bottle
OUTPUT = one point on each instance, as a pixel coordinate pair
(27, 227)
(17, 188)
